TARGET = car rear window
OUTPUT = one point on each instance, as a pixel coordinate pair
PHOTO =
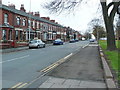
(58, 40)
(34, 41)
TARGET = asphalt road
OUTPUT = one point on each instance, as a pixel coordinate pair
(23, 67)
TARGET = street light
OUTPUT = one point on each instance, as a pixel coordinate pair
(30, 21)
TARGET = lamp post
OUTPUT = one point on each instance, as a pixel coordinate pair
(29, 21)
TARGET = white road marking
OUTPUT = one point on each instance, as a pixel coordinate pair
(85, 46)
(15, 59)
(68, 56)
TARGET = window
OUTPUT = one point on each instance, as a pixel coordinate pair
(5, 18)
(10, 35)
(24, 22)
(37, 24)
(3, 34)
(28, 22)
(16, 35)
(18, 20)
(33, 24)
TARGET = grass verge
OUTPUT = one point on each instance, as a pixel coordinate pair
(113, 56)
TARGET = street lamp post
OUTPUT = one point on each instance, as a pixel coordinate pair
(29, 21)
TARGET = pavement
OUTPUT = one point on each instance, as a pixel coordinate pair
(82, 70)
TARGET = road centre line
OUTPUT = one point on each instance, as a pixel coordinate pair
(15, 59)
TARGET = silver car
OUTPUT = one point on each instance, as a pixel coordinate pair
(36, 44)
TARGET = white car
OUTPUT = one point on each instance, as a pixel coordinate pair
(36, 43)
(92, 40)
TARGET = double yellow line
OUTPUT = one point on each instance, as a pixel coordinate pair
(19, 85)
(55, 64)
(50, 67)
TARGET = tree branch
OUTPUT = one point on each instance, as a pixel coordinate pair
(109, 5)
(114, 10)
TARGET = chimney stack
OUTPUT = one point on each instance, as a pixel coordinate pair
(48, 18)
(37, 14)
(22, 8)
(12, 6)
(52, 21)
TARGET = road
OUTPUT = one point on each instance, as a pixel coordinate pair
(24, 66)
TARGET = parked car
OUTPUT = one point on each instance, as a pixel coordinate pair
(36, 44)
(58, 42)
(103, 38)
(72, 41)
(76, 40)
(92, 40)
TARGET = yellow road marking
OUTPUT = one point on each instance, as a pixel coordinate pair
(17, 85)
(50, 68)
(22, 85)
(55, 64)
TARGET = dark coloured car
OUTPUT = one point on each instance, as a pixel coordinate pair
(58, 42)
(72, 41)
(76, 40)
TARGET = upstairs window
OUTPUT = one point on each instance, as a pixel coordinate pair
(24, 22)
(5, 18)
(29, 23)
(18, 20)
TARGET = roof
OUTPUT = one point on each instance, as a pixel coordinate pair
(27, 15)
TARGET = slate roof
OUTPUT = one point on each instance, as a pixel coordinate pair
(27, 15)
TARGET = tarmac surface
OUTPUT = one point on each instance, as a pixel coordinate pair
(82, 70)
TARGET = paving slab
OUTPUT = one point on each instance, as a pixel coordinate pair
(71, 83)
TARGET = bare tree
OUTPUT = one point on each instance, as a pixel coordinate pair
(70, 5)
(108, 20)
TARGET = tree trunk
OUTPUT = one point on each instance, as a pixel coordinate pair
(109, 27)
(111, 45)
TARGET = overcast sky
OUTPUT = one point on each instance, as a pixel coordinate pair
(77, 20)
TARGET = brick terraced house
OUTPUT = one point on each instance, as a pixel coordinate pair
(19, 26)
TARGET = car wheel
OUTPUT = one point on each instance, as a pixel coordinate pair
(38, 46)
(29, 47)
(44, 46)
